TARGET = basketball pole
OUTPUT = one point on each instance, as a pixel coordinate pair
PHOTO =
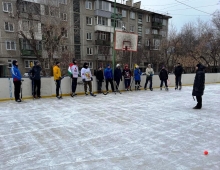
(113, 50)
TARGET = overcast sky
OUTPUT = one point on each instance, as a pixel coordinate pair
(181, 13)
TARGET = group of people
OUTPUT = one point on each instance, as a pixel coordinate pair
(109, 77)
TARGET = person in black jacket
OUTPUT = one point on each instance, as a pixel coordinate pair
(178, 74)
(199, 85)
(34, 74)
(163, 77)
(117, 76)
(100, 79)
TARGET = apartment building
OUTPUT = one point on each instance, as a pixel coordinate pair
(87, 28)
(25, 29)
(97, 28)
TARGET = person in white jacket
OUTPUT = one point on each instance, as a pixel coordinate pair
(87, 78)
(74, 75)
(149, 77)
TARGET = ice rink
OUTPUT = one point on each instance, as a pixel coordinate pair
(138, 130)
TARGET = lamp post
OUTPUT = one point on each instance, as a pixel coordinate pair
(113, 50)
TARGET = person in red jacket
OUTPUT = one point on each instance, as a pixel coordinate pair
(127, 76)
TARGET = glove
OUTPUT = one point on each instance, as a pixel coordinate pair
(91, 79)
(22, 79)
(83, 80)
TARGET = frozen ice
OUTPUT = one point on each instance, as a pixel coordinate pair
(138, 130)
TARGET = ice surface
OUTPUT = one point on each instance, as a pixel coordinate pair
(136, 130)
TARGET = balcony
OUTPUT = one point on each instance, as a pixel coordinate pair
(29, 53)
(157, 25)
(116, 16)
(157, 36)
(103, 42)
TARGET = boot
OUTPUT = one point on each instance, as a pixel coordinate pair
(176, 88)
(197, 107)
(160, 88)
(166, 89)
(180, 88)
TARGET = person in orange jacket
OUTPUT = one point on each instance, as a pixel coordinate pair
(57, 78)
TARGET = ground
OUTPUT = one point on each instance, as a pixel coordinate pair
(136, 130)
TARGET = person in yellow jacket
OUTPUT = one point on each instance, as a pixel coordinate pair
(57, 78)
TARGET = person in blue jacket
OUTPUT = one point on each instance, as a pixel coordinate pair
(16, 75)
(109, 77)
(137, 77)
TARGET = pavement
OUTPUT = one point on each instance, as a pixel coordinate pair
(137, 130)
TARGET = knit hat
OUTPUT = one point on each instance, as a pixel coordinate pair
(74, 61)
(14, 62)
(36, 62)
(57, 62)
(118, 65)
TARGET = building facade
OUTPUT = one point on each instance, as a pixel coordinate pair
(87, 29)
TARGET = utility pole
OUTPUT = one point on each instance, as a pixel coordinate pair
(113, 50)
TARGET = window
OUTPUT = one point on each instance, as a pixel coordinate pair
(90, 64)
(63, 1)
(154, 31)
(10, 45)
(147, 42)
(10, 63)
(89, 36)
(54, 12)
(118, 23)
(139, 30)
(140, 18)
(63, 16)
(9, 27)
(64, 48)
(103, 36)
(89, 51)
(26, 25)
(156, 44)
(88, 5)
(164, 22)
(147, 31)
(105, 6)
(88, 20)
(64, 32)
(147, 18)
(7, 7)
(28, 63)
(163, 33)
(102, 21)
(132, 15)
(124, 13)
(139, 41)
(132, 28)
(25, 45)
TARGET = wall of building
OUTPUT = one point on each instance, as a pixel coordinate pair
(48, 85)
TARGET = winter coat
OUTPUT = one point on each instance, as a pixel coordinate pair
(163, 74)
(108, 73)
(56, 73)
(16, 75)
(199, 82)
(137, 74)
(74, 71)
(126, 73)
(86, 74)
(118, 74)
(99, 75)
(34, 73)
(149, 72)
(178, 71)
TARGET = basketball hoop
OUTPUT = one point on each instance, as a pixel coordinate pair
(125, 41)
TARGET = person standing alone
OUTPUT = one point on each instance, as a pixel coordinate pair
(178, 74)
(16, 75)
(163, 78)
(199, 85)
(36, 79)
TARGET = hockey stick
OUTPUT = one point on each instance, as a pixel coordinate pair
(117, 88)
(131, 83)
(61, 95)
(10, 89)
(21, 89)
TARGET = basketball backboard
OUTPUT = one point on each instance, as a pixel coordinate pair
(125, 41)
